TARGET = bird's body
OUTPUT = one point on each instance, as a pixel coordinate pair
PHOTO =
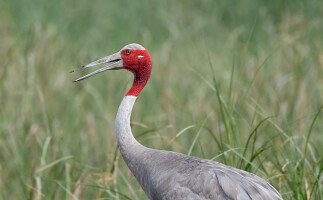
(166, 175)
(170, 175)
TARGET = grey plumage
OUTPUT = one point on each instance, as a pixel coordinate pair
(166, 175)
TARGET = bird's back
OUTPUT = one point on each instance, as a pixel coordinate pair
(168, 175)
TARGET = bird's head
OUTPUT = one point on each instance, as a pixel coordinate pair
(132, 57)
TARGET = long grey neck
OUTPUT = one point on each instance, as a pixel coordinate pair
(129, 147)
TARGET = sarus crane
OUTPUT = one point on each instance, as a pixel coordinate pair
(167, 175)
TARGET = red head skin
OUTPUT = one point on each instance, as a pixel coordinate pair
(140, 67)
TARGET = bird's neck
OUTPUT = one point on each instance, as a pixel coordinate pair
(139, 83)
(127, 144)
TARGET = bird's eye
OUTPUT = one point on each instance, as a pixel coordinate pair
(128, 52)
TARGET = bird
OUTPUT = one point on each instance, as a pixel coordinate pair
(167, 175)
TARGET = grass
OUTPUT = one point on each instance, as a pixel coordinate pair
(238, 82)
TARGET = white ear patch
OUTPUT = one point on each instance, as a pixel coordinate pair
(140, 56)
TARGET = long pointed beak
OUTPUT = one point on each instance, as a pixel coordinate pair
(114, 59)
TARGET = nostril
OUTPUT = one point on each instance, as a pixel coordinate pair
(115, 60)
(140, 56)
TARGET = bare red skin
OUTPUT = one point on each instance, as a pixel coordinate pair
(140, 67)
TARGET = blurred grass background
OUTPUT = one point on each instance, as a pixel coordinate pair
(239, 82)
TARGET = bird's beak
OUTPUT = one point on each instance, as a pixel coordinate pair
(114, 60)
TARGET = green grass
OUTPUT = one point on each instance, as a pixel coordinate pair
(239, 82)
